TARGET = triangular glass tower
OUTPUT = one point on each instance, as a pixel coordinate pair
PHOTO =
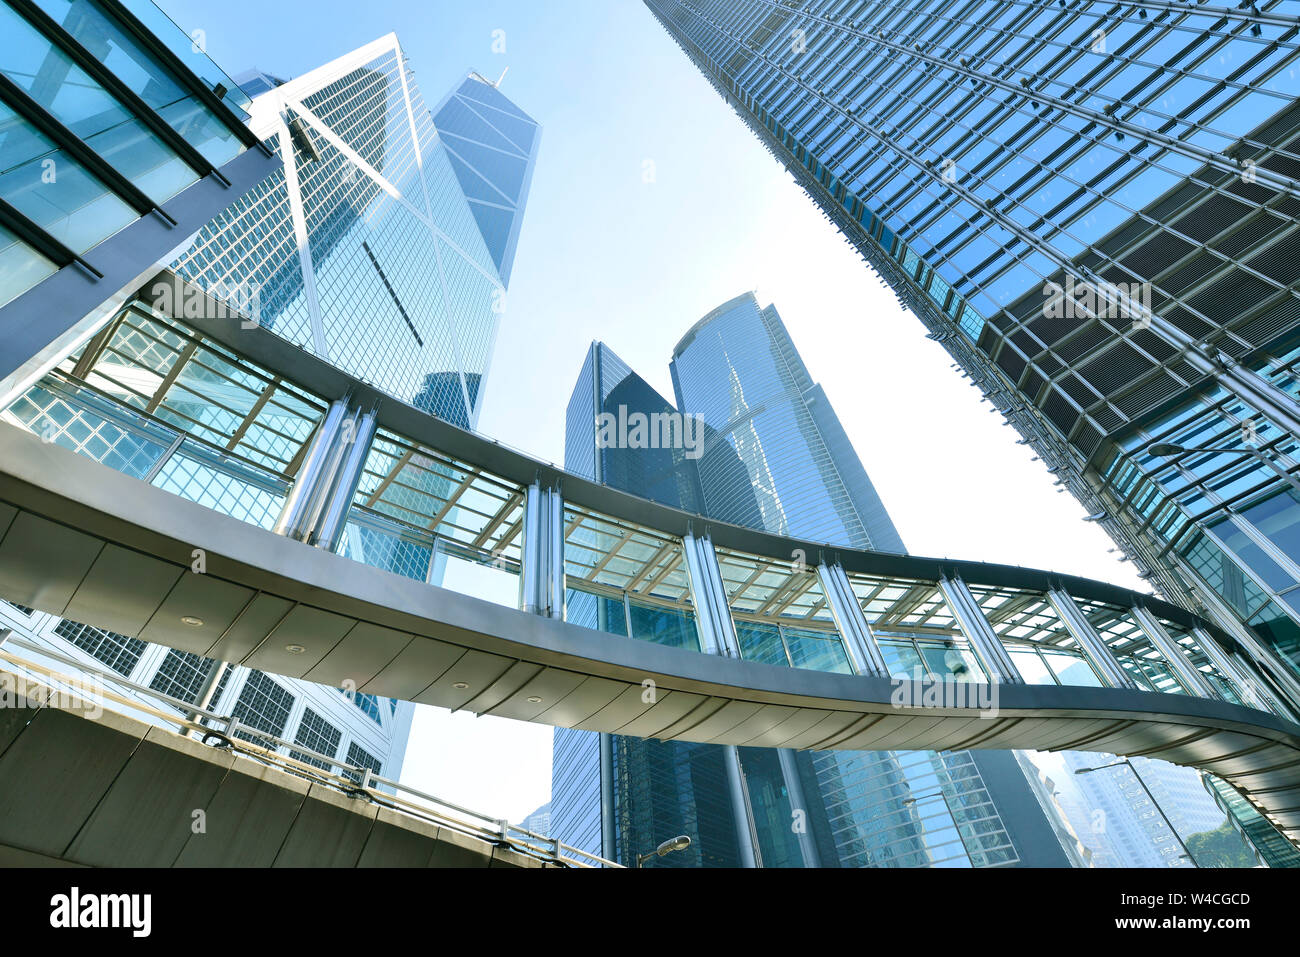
(492, 145)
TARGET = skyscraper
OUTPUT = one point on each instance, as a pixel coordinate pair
(1093, 210)
(774, 457)
(362, 248)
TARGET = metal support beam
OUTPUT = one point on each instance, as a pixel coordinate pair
(541, 579)
(798, 804)
(855, 631)
(1093, 645)
(1252, 693)
(984, 640)
(357, 442)
(740, 807)
(712, 613)
(1173, 653)
(316, 509)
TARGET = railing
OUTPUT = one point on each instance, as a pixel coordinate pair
(227, 732)
(418, 508)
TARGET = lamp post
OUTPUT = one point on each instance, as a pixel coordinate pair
(679, 843)
(1167, 449)
(909, 801)
(1154, 803)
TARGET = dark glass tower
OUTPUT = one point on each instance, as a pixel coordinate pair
(1094, 209)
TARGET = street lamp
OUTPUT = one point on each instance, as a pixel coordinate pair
(679, 843)
(1156, 804)
(1167, 449)
(908, 801)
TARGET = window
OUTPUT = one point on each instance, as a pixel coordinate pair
(263, 705)
(117, 651)
(359, 757)
(316, 734)
(182, 675)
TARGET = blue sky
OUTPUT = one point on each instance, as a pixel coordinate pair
(607, 252)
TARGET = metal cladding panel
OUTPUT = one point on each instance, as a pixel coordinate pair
(252, 624)
(475, 670)
(549, 685)
(210, 600)
(354, 658)
(627, 704)
(66, 747)
(722, 722)
(761, 721)
(504, 687)
(413, 669)
(41, 563)
(668, 710)
(123, 830)
(122, 589)
(592, 697)
(313, 629)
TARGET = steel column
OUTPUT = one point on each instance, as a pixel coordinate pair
(712, 613)
(311, 474)
(984, 640)
(855, 631)
(357, 442)
(794, 788)
(1173, 653)
(316, 509)
(740, 807)
(541, 580)
(1093, 645)
(1250, 690)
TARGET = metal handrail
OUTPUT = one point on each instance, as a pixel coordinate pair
(354, 781)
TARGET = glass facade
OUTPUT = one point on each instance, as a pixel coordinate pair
(368, 248)
(492, 146)
(1094, 210)
(394, 283)
(98, 127)
(739, 372)
(774, 458)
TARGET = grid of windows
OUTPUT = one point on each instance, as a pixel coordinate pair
(367, 703)
(316, 734)
(182, 675)
(119, 652)
(359, 757)
(263, 705)
(1094, 209)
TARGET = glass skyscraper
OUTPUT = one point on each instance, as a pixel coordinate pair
(774, 457)
(1094, 209)
(375, 247)
(363, 249)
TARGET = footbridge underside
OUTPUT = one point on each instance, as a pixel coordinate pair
(82, 540)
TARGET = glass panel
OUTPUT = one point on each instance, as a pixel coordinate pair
(189, 47)
(1278, 517)
(146, 78)
(1071, 669)
(819, 651)
(204, 476)
(21, 267)
(901, 658)
(69, 95)
(760, 641)
(494, 583)
(1031, 667)
(52, 190)
(949, 659)
(595, 611)
(664, 626)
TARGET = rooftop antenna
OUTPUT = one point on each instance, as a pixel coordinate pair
(497, 84)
